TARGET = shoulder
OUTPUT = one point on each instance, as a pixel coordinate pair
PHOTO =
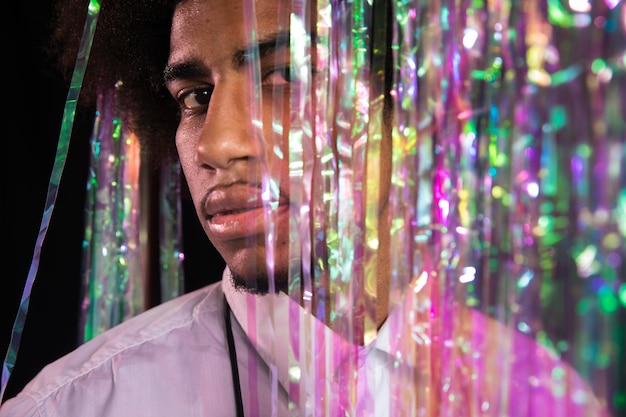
(537, 379)
(132, 349)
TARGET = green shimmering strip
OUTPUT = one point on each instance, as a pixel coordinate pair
(55, 176)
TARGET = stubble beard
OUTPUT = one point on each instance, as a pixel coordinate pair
(260, 283)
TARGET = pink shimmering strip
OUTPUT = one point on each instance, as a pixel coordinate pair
(469, 382)
(369, 32)
(301, 154)
(323, 192)
(270, 198)
(323, 209)
(320, 352)
(344, 264)
(302, 150)
(410, 215)
(444, 133)
(270, 189)
(363, 308)
(252, 319)
(300, 361)
(451, 258)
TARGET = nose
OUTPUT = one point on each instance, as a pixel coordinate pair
(228, 135)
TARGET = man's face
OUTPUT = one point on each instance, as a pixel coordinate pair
(222, 153)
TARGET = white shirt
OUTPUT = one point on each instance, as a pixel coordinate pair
(173, 360)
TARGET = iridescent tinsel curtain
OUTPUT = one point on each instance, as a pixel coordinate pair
(512, 120)
(117, 250)
(507, 204)
(113, 283)
(507, 207)
(171, 276)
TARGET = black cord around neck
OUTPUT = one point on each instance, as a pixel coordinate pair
(233, 360)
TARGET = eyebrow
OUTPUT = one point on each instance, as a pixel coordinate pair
(240, 57)
(183, 70)
(265, 47)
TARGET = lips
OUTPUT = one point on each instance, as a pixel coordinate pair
(237, 211)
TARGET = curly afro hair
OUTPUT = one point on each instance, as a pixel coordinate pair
(131, 46)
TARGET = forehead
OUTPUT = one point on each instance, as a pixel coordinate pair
(223, 21)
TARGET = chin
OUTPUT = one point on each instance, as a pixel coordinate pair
(259, 281)
(248, 266)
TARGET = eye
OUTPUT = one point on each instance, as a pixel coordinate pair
(196, 99)
(277, 76)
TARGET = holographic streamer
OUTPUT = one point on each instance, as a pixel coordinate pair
(507, 207)
(112, 258)
(580, 217)
(171, 256)
(302, 161)
(301, 150)
(270, 190)
(373, 190)
(323, 185)
(322, 167)
(410, 200)
(517, 104)
(374, 194)
(270, 198)
(554, 105)
(93, 11)
(341, 255)
(363, 302)
(316, 361)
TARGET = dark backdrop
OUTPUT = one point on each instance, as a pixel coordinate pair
(34, 98)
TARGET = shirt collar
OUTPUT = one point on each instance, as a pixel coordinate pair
(270, 319)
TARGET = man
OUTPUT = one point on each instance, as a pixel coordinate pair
(243, 346)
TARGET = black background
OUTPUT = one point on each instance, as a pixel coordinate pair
(34, 99)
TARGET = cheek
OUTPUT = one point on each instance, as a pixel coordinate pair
(185, 147)
(186, 150)
(276, 128)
